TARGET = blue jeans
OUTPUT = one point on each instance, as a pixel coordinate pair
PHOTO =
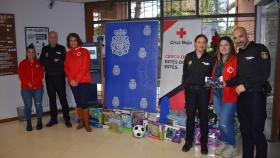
(28, 96)
(225, 113)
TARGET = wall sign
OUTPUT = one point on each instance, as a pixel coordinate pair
(8, 50)
(38, 36)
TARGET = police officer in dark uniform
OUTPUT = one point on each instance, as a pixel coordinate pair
(252, 82)
(52, 58)
(197, 65)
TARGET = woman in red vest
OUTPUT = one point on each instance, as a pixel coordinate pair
(225, 99)
(77, 69)
(31, 75)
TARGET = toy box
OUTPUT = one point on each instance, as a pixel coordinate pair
(137, 118)
(96, 117)
(169, 132)
(126, 121)
(153, 117)
(155, 130)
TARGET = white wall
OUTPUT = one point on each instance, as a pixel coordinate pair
(63, 18)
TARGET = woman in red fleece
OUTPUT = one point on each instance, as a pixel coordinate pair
(225, 99)
(77, 69)
(31, 74)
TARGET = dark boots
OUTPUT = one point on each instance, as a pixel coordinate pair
(29, 125)
(39, 124)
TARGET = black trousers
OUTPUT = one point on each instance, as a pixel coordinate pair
(56, 85)
(197, 99)
(251, 112)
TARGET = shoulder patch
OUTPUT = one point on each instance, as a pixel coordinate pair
(264, 55)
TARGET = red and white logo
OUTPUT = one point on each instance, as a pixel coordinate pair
(181, 33)
(230, 70)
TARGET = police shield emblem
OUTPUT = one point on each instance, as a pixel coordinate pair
(120, 42)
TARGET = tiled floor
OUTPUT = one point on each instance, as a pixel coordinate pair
(60, 142)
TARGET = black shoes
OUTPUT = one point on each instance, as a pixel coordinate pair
(68, 124)
(29, 125)
(204, 149)
(51, 123)
(187, 146)
(39, 124)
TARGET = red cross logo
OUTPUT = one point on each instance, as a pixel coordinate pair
(181, 32)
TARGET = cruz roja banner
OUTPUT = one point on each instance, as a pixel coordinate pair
(131, 65)
(178, 40)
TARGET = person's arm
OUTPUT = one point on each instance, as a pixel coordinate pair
(185, 69)
(264, 61)
(22, 76)
(61, 57)
(67, 70)
(44, 58)
(232, 82)
(85, 66)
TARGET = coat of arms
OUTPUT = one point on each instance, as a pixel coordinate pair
(120, 42)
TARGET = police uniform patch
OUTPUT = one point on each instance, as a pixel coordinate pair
(190, 62)
(264, 55)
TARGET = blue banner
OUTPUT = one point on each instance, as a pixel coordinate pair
(131, 65)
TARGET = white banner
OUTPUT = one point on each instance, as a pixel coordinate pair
(178, 40)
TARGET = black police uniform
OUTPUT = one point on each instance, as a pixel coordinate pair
(253, 72)
(197, 95)
(55, 79)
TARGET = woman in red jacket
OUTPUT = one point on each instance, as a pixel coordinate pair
(77, 69)
(225, 99)
(31, 74)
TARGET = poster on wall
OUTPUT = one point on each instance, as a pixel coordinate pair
(178, 40)
(131, 65)
(8, 50)
(38, 36)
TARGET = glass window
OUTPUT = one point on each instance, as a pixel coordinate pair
(212, 7)
(225, 26)
(178, 7)
(110, 11)
(145, 9)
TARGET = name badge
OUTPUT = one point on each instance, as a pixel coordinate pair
(205, 63)
(249, 58)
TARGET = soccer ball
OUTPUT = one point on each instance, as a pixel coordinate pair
(138, 131)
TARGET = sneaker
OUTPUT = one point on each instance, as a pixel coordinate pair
(219, 150)
(230, 152)
(51, 123)
(187, 146)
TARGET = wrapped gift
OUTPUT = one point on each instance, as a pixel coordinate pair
(115, 124)
(213, 137)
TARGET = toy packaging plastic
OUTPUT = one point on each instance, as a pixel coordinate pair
(155, 130)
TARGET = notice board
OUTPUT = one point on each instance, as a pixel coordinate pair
(8, 50)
